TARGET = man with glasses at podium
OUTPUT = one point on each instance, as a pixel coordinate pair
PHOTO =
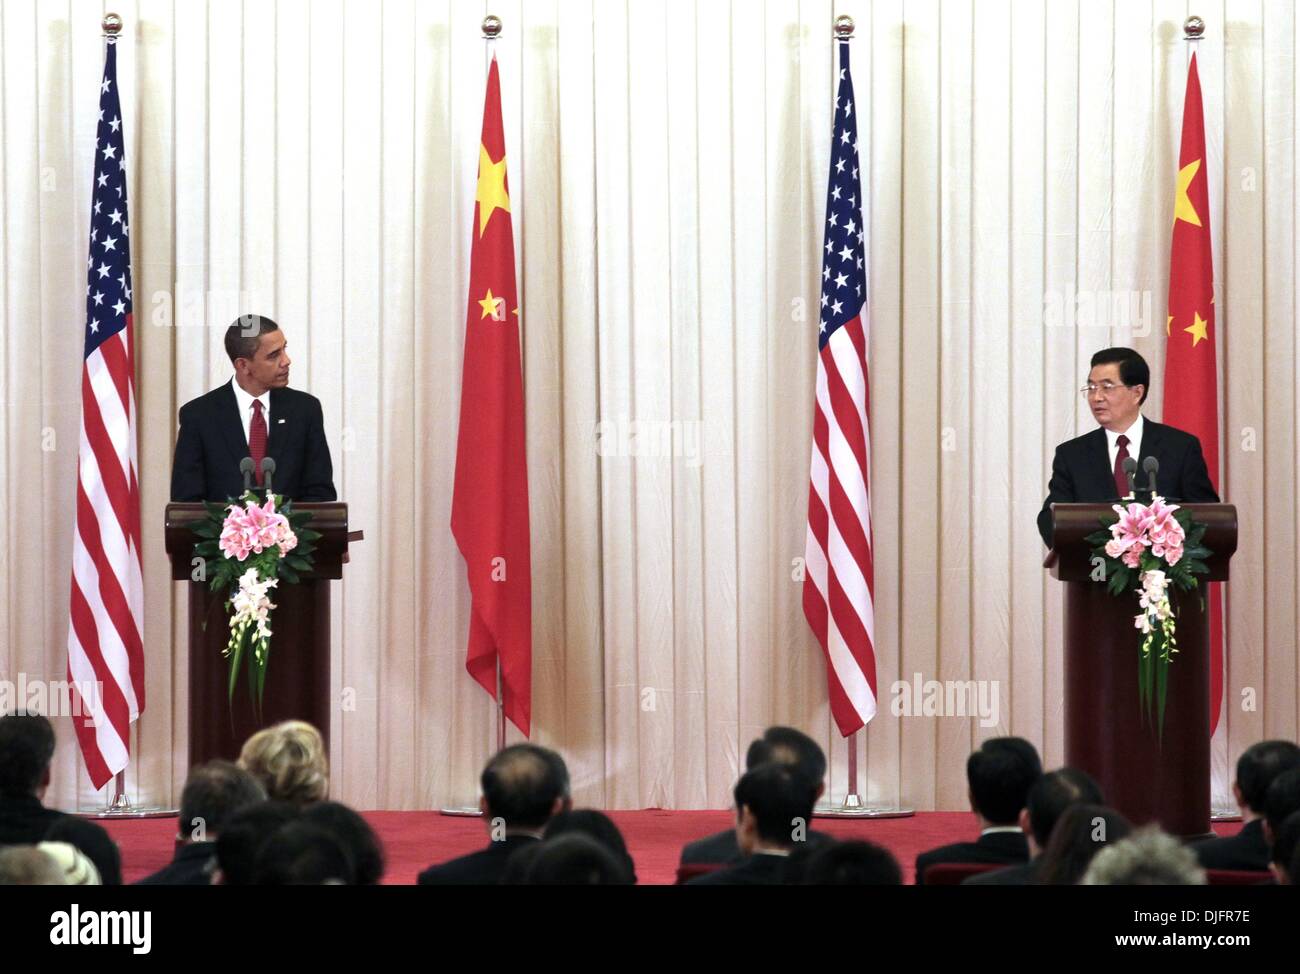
(1090, 468)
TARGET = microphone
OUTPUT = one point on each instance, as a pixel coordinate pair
(1151, 467)
(268, 471)
(1130, 471)
(246, 468)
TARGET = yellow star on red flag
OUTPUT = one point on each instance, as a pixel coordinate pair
(1183, 208)
(1199, 329)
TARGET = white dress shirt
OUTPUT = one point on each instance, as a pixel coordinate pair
(245, 402)
(1134, 434)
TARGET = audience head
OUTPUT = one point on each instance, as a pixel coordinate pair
(1000, 775)
(26, 749)
(785, 745)
(76, 867)
(1258, 765)
(289, 760)
(1080, 832)
(852, 864)
(213, 793)
(524, 786)
(576, 859)
(1050, 796)
(356, 835)
(26, 865)
(303, 854)
(597, 825)
(94, 843)
(774, 806)
(1148, 857)
(1282, 798)
(1285, 846)
(245, 833)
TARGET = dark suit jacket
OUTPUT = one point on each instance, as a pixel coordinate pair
(1245, 850)
(755, 870)
(24, 820)
(1082, 471)
(1000, 847)
(190, 867)
(211, 443)
(1023, 875)
(721, 848)
(482, 868)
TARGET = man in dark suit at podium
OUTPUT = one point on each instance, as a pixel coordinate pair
(254, 415)
(1090, 468)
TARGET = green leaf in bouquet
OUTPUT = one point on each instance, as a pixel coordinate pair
(288, 574)
(235, 658)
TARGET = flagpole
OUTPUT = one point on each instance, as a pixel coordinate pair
(491, 31)
(120, 805)
(491, 28)
(1193, 31)
(852, 806)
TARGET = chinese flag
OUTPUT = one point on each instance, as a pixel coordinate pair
(489, 507)
(1191, 381)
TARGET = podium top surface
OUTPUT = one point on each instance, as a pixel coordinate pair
(329, 556)
(1070, 558)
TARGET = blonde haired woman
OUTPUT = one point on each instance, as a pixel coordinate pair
(289, 760)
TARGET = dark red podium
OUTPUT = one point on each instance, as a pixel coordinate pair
(298, 676)
(1106, 734)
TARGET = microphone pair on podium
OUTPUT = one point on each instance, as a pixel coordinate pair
(247, 468)
(1150, 466)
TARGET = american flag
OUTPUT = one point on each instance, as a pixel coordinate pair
(105, 650)
(838, 584)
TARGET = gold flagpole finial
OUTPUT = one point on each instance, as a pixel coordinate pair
(112, 25)
(491, 27)
(844, 27)
(1193, 28)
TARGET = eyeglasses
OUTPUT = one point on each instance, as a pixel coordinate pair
(1107, 389)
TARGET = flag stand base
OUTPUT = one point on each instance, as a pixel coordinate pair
(853, 808)
(1225, 815)
(121, 807)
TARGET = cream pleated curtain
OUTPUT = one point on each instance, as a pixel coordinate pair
(667, 161)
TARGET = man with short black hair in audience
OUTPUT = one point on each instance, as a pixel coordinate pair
(1281, 801)
(774, 804)
(853, 863)
(524, 786)
(784, 745)
(26, 750)
(999, 776)
(213, 793)
(1286, 844)
(1048, 799)
(1257, 768)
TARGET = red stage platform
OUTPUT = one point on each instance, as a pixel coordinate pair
(414, 840)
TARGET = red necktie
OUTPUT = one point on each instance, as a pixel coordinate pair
(1121, 478)
(257, 439)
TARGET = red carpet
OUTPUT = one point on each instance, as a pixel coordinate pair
(414, 840)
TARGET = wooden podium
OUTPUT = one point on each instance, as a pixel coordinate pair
(298, 674)
(1106, 732)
